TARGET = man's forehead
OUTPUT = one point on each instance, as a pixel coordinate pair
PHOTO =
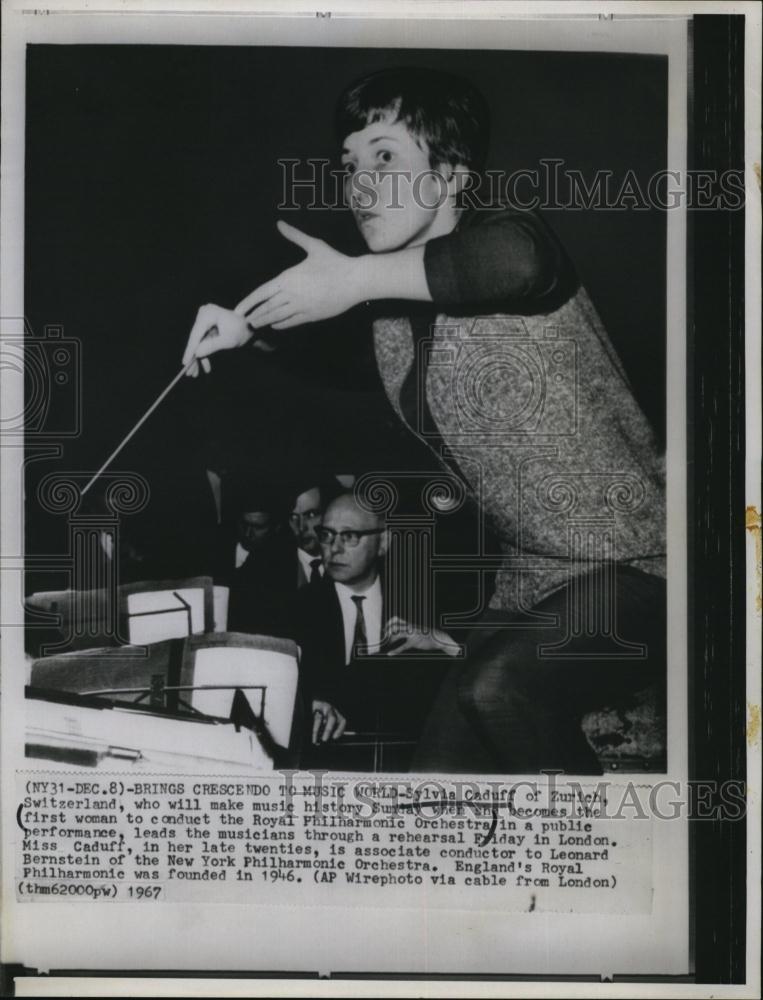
(347, 515)
(255, 515)
(308, 497)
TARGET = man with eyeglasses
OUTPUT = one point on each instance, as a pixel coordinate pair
(346, 633)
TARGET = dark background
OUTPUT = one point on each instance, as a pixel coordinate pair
(152, 186)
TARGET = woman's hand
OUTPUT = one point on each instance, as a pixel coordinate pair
(325, 284)
(215, 329)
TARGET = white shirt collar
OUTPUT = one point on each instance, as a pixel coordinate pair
(306, 562)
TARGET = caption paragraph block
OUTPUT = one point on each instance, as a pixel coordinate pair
(310, 838)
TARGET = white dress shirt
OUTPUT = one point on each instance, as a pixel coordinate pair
(306, 560)
(372, 614)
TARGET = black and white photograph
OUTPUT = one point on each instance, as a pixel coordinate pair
(420, 454)
(363, 480)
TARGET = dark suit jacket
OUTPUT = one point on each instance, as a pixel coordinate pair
(319, 632)
(262, 590)
(374, 693)
(303, 576)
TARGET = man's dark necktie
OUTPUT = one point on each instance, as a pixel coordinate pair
(363, 682)
(315, 571)
(359, 637)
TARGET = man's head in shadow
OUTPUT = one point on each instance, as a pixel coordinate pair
(258, 515)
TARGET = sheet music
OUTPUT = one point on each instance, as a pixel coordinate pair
(245, 668)
(164, 614)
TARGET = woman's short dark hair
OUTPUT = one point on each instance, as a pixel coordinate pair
(446, 111)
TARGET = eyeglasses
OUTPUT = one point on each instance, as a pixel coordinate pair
(349, 539)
